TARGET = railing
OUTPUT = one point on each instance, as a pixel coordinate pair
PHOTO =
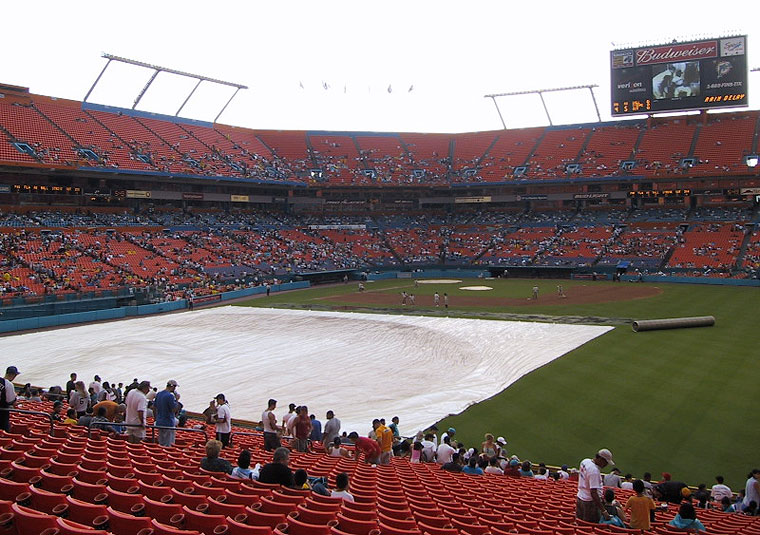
(35, 413)
(99, 425)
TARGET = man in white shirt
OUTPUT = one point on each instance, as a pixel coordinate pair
(445, 452)
(223, 420)
(286, 419)
(719, 491)
(331, 430)
(612, 479)
(563, 473)
(428, 448)
(137, 405)
(589, 505)
(95, 385)
(7, 396)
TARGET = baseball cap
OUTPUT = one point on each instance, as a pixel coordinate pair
(12, 369)
(686, 492)
(452, 430)
(171, 382)
(607, 456)
(502, 440)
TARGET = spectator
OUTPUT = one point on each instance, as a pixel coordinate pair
(445, 452)
(316, 429)
(669, 491)
(493, 467)
(100, 421)
(302, 429)
(223, 420)
(488, 447)
(472, 467)
(7, 396)
(455, 465)
(589, 504)
(384, 440)
(428, 448)
(137, 406)
(79, 400)
(95, 385)
(641, 507)
(370, 448)
(165, 407)
(525, 469)
(702, 495)
(55, 414)
(686, 519)
(210, 412)
(269, 423)
(341, 488)
(332, 428)
(278, 471)
(563, 473)
(212, 462)
(243, 468)
(627, 482)
(614, 509)
(86, 419)
(613, 478)
(336, 449)
(416, 455)
(71, 384)
(71, 417)
(752, 488)
(109, 406)
(720, 490)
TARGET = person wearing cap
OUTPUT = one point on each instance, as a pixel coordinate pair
(165, 408)
(7, 396)
(449, 433)
(137, 407)
(563, 473)
(223, 420)
(669, 491)
(501, 447)
(269, 423)
(589, 505)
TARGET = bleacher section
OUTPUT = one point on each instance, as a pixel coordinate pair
(72, 483)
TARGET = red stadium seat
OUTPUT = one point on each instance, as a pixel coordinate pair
(163, 512)
(193, 520)
(164, 529)
(120, 523)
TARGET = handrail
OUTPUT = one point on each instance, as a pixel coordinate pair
(36, 413)
(151, 427)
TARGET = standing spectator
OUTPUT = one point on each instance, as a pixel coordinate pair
(223, 420)
(589, 503)
(332, 428)
(71, 384)
(79, 400)
(613, 478)
(384, 440)
(165, 408)
(119, 392)
(719, 491)
(640, 507)
(278, 471)
(751, 488)
(669, 491)
(269, 422)
(302, 429)
(370, 448)
(488, 447)
(316, 429)
(137, 407)
(95, 385)
(7, 396)
(212, 462)
(292, 413)
(210, 412)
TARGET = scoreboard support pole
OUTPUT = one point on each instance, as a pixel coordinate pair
(499, 112)
(540, 93)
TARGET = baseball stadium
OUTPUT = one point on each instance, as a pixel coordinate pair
(570, 288)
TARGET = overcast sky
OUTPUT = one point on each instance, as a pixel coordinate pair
(448, 53)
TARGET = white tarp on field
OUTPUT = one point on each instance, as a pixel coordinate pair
(361, 366)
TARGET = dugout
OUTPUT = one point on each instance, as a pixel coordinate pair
(531, 272)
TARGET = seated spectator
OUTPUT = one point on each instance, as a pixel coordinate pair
(416, 456)
(85, 419)
(100, 421)
(212, 462)
(71, 417)
(641, 507)
(525, 469)
(243, 469)
(445, 451)
(35, 395)
(472, 467)
(455, 465)
(702, 495)
(55, 414)
(614, 510)
(488, 447)
(686, 519)
(493, 467)
(726, 506)
(513, 468)
(302, 482)
(563, 473)
(278, 471)
(542, 474)
(336, 449)
(341, 488)
(627, 482)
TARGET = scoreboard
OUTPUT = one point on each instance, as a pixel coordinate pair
(680, 76)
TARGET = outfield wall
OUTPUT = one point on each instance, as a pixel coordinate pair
(42, 322)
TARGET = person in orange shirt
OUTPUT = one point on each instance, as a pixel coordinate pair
(384, 440)
(640, 507)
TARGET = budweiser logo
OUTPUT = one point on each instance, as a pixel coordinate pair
(667, 54)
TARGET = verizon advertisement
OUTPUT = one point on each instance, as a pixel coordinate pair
(680, 76)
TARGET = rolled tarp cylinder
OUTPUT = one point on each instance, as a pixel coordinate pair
(673, 323)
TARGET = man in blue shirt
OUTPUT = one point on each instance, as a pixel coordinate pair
(316, 429)
(165, 408)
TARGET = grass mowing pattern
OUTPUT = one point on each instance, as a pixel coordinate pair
(681, 401)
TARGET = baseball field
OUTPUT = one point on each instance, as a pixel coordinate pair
(682, 401)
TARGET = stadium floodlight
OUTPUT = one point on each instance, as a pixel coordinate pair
(157, 69)
(540, 93)
(751, 160)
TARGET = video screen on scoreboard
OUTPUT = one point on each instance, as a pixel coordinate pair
(680, 76)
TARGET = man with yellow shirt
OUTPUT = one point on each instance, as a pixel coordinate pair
(384, 440)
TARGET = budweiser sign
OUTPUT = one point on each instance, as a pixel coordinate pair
(675, 53)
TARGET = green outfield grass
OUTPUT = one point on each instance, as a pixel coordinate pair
(682, 401)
